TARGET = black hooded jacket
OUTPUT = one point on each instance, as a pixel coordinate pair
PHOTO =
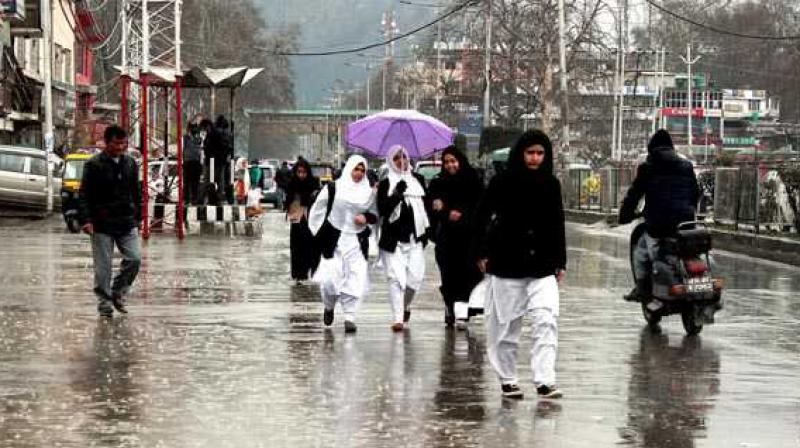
(460, 192)
(669, 187)
(301, 190)
(519, 223)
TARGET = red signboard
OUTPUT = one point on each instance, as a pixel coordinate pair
(682, 112)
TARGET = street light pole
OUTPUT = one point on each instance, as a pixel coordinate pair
(49, 136)
(689, 62)
(563, 67)
(487, 121)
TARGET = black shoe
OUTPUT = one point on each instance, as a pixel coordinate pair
(449, 321)
(119, 303)
(105, 309)
(349, 327)
(327, 317)
(406, 316)
(548, 392)
(632, 296)
(512, 391)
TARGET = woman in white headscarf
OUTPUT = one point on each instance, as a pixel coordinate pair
(404, 233)
(339, 220)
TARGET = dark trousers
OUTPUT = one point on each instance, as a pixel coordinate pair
(192, 171)
(302, 250)
(459, 272)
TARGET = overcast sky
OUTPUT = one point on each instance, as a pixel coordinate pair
(333, 25)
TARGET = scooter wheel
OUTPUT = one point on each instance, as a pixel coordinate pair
(691, 322)
(653, 319)
(73, 225)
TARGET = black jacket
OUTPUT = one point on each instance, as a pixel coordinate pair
(460, 192)
(402, 229)
(670, 189)
(110, 194)
(519, 226)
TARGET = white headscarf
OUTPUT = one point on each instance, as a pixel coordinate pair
(351, 198)
(413, 195)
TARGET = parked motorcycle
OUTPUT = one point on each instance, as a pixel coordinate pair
(682, 278)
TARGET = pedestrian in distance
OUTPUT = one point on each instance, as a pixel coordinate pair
(282, 178)
(454, 194)
(339, 220)
(111, 213)
(192, 164)
(299, 196)
(403, 233)
(520, 243)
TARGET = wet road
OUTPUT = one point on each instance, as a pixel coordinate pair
(222, 350)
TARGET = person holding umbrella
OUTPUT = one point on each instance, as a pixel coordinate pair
(404, 233)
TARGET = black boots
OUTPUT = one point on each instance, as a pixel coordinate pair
(640, 291)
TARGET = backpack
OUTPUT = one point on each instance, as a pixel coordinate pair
(328, 236)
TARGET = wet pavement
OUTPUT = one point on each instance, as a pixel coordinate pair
(221, 349)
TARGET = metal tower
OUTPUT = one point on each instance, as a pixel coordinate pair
(151, 66)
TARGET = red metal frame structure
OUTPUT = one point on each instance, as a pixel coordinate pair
(145, 83)
(196, 78)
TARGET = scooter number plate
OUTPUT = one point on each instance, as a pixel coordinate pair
(695, 285)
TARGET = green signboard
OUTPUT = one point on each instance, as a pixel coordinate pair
(739, 141)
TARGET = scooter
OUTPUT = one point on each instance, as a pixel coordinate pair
(682, 280)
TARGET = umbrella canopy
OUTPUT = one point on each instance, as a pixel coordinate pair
(421, 135)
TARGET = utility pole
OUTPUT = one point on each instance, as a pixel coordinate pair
(49, 136)
(615, 108)
(689, 62)
(623, 48)
(562, 47)
(657, 95)
(487, 71)
(389, 24)
(438, 61)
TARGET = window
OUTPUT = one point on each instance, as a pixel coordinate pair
(38, 167)
(35, 58)
(79, 59)
(754, 105)
(12, 162)
(58, 62)
(67, 66)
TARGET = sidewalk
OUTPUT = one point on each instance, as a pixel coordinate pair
(774, 248)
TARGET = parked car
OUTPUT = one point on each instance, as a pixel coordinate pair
(428, 169)
(162, 185)
(23, 178)
(270, 194)
(323, 172)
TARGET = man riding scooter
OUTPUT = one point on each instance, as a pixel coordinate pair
(671, 193)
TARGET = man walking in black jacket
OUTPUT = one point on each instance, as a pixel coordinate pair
(110, 201)
(671, 193)
(520, 244)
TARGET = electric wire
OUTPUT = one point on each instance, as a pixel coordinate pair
(720, 30)
(374, 45)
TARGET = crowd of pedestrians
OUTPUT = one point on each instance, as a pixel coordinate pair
(509, 237)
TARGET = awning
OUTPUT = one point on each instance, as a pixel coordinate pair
(204, 77)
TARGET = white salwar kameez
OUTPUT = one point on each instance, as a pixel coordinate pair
(508, 301)
(405, 267)
(344, 278)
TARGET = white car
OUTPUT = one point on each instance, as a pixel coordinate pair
(159, 181)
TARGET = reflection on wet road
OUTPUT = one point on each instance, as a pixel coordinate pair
(221, 349)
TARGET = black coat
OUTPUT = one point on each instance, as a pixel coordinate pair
(402, 229)
(519, 225)
(110, 194)
(301, 190)
(462, 193)
(670, 189)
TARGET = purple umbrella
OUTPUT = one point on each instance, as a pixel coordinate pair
(421, 135)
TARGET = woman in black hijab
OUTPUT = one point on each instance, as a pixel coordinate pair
(520, 244)
(299, 194)
(455, 193)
